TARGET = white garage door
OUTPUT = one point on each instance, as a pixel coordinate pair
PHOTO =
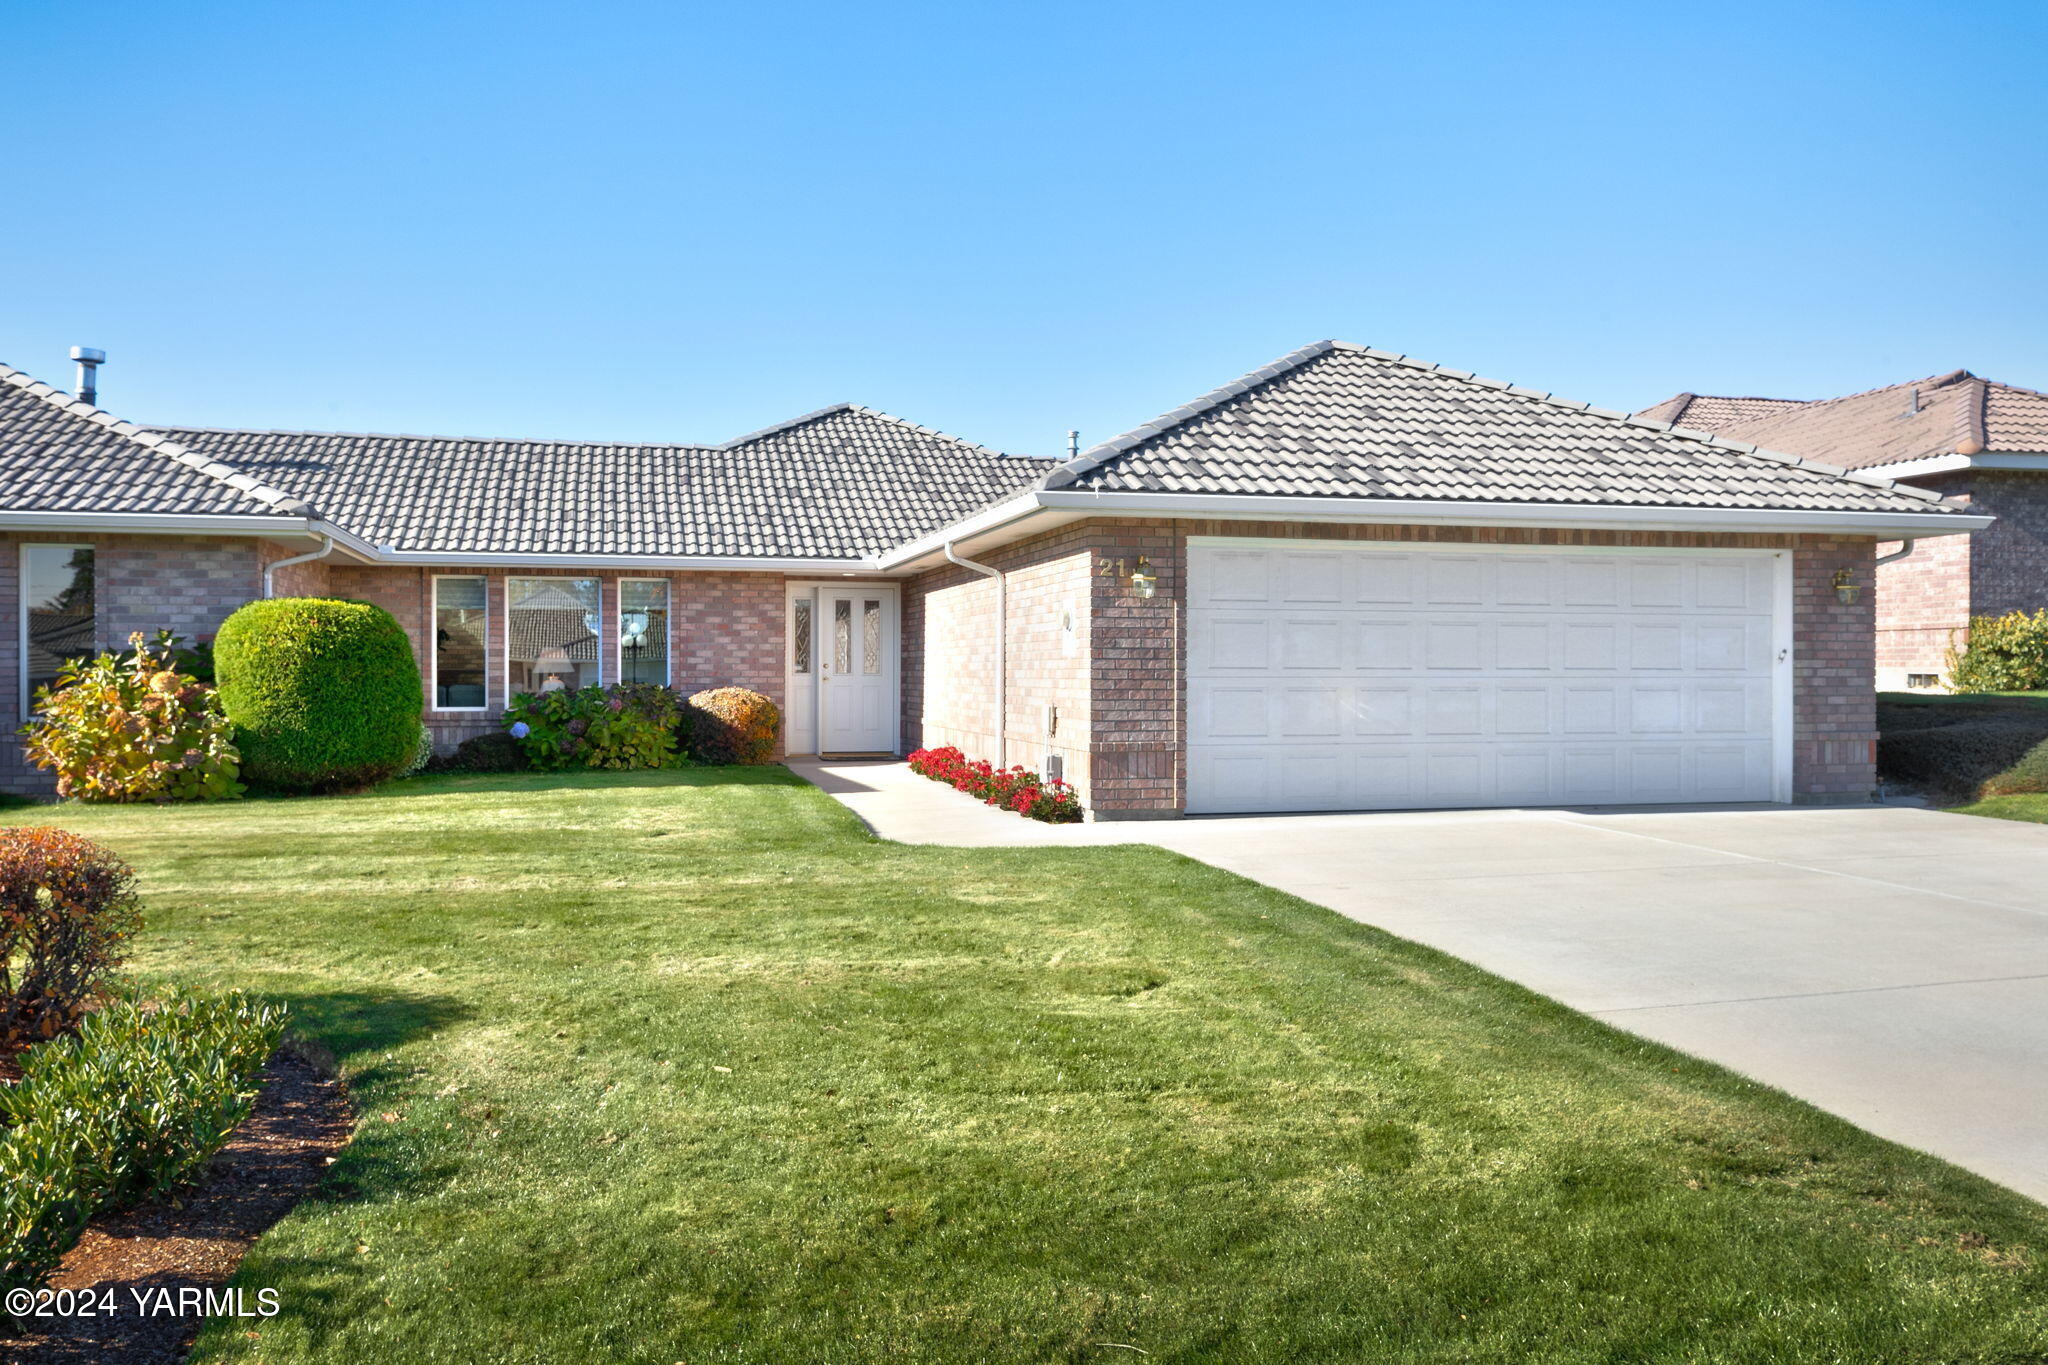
(1359, 677)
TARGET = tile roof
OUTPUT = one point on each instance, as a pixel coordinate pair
(1957, 413)
(843, 482)
(58, 454)
(1706, 412)
(1336, 420)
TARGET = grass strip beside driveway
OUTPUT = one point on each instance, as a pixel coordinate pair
(687, 1066)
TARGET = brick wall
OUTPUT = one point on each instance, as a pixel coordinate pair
(725, 629)
(1130, 761)
(1834, 697)
(2009, 558)
(147, 583)
(949, 655)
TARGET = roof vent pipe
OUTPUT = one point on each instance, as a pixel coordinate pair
(1073, 445)
(1913, 404)
(89, 361)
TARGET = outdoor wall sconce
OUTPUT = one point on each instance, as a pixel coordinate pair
(1143, 581)
(1846, 587)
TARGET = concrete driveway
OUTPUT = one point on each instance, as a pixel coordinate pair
(1888, 964)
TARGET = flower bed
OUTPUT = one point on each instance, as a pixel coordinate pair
(1015, 788)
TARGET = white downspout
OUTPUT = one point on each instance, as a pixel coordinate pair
(1002, 634)
(1905, 548)
(326, 549)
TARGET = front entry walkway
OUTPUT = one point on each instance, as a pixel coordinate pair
(1889, 965)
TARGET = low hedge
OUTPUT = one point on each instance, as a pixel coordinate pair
(135, 1102)
(496, 752)
(1959, 754)
(324, 694)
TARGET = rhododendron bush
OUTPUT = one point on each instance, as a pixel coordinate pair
(1014, 788)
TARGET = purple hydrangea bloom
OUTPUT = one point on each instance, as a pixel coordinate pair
(520, 729)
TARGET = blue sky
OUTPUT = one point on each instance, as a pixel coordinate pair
(680, 222)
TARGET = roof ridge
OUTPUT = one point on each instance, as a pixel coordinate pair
(427, 436)
(1096, 456)
(1934, 381)
(276, 499)
(1070, 470)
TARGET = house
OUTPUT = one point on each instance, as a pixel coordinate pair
(1975, 441)
(1348, 580)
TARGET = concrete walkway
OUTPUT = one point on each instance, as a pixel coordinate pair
(1888, 964)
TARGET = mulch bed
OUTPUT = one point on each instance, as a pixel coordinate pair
(301, 1122)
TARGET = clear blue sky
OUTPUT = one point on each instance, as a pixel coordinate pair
(661, 221)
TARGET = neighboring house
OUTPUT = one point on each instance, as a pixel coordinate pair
(1975, 441)
(1349, 580)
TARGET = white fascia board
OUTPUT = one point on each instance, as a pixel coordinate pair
(1026, 504)
(1231, 507)
(1948, 464)
(159, 522)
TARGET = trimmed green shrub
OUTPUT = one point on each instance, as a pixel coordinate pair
(2006, 653)
(422, 752)
(134, 728)
(1954, 762)
(137, 1101)
(629, 725)
(324, 694)
(2027, 775)
(733, 725)
(67, 910)
(493, 753)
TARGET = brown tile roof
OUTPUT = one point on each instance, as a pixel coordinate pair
(1957, 413)
(1705, 412)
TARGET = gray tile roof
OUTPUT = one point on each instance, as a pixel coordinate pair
(843, 482)
(1335, 420)
(58, 454)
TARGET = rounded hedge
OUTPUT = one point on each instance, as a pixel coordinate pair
(733, 725)
(324, 694)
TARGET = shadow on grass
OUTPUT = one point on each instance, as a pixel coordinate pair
(444, 784)
(352, 1026)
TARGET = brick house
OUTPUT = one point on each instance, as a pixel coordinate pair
(1348, 580)
(1975, 441)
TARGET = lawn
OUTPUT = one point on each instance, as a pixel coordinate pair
(2031, 806)
(687, 1067)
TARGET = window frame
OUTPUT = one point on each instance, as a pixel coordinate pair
(21, 608)
(433, 634)
(668, 611)
(510, 578)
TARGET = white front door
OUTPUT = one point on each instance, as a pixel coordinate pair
(1359, 676)
(856, 662)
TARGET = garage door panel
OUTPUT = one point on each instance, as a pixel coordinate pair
(1311, 578)
(1233, 578)
(1379, 678)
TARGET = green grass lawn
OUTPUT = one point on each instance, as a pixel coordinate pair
(686, 1066)
(1966, 699)
(2032, 806)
